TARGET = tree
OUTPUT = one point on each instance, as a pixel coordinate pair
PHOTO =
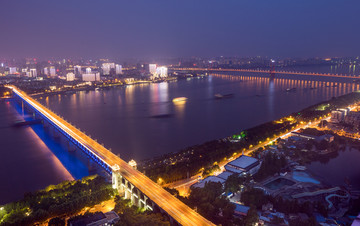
(233, 182)
(56, 221)
(211, 204)
(254, 197)
(252, 216)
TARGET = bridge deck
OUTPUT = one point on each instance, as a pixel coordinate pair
(174, 207)
(265, 71)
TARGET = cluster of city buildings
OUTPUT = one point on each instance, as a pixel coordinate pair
(347, 117)
(293, 182)
(77, 70)
(35, 76)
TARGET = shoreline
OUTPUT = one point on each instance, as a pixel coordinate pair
(160, 166)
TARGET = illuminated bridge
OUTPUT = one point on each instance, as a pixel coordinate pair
(134, 185)
(263, 71)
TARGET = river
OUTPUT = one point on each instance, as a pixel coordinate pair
(122, 119)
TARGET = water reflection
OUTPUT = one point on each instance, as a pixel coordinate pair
(159, 97)
(129, 94)
(271, 97)
(180, 108)
(329, 88)
(202, 118)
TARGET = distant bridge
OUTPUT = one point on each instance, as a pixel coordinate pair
(271, 72)
(134, 185)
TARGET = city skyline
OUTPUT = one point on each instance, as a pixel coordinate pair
(172, 29)
(234, 113)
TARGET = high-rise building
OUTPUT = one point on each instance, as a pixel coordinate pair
(33, 72)
(152, 69)
(70, 77)
(118, 69)
(106, 68)
(162, 71)
(77, 69)
(92, 77)
(12, 70)
(88, 70)
(52, 71)
(46, 71)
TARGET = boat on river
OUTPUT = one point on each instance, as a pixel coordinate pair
(179, 99)
(222, 96)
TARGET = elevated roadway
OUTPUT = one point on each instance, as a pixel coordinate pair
(177, 210)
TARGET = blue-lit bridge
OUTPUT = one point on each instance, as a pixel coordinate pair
(134, 185)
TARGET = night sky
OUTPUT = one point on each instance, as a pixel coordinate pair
(174, 28)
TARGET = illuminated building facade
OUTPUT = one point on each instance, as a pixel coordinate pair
(152, 69)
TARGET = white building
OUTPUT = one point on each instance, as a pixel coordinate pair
(106, 68)
(118, 69)
(243, 165)
(52, 72)
(162, 72)
(92, 77)
(46, 71)
(12, 70)
(88, 70)
(339, 115)
(70, 77)
(152, 69)
(33, 72)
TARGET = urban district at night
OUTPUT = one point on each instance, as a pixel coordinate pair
(169, 113)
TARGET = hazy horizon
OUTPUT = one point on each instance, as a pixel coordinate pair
(153, 29)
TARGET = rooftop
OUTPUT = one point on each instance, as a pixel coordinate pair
(208, 179)
(243, 161)
(85, 220)
(241, 209)
(224, 175)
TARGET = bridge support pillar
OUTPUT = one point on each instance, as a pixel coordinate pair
(70, 146)
(135, 196)
(122, 187)
(142, 202)
(54, 133)
(116, 177)
(91, 166)
(132, 194)
(46, 124)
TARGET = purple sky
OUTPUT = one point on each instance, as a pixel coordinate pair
(174, 28)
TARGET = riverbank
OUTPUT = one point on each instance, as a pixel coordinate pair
(195, 159)
(101, 86)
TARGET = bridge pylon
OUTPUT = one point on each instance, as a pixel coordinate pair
(116, 177)
(272, 70)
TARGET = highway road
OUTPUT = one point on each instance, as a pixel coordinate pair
(174, 207)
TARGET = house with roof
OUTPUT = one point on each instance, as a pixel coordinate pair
(243, 165)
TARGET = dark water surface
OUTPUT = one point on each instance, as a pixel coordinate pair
(345, 167)
(27, 162)
(122, 119)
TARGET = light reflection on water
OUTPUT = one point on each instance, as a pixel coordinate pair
(27, 162)
(121, 118)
